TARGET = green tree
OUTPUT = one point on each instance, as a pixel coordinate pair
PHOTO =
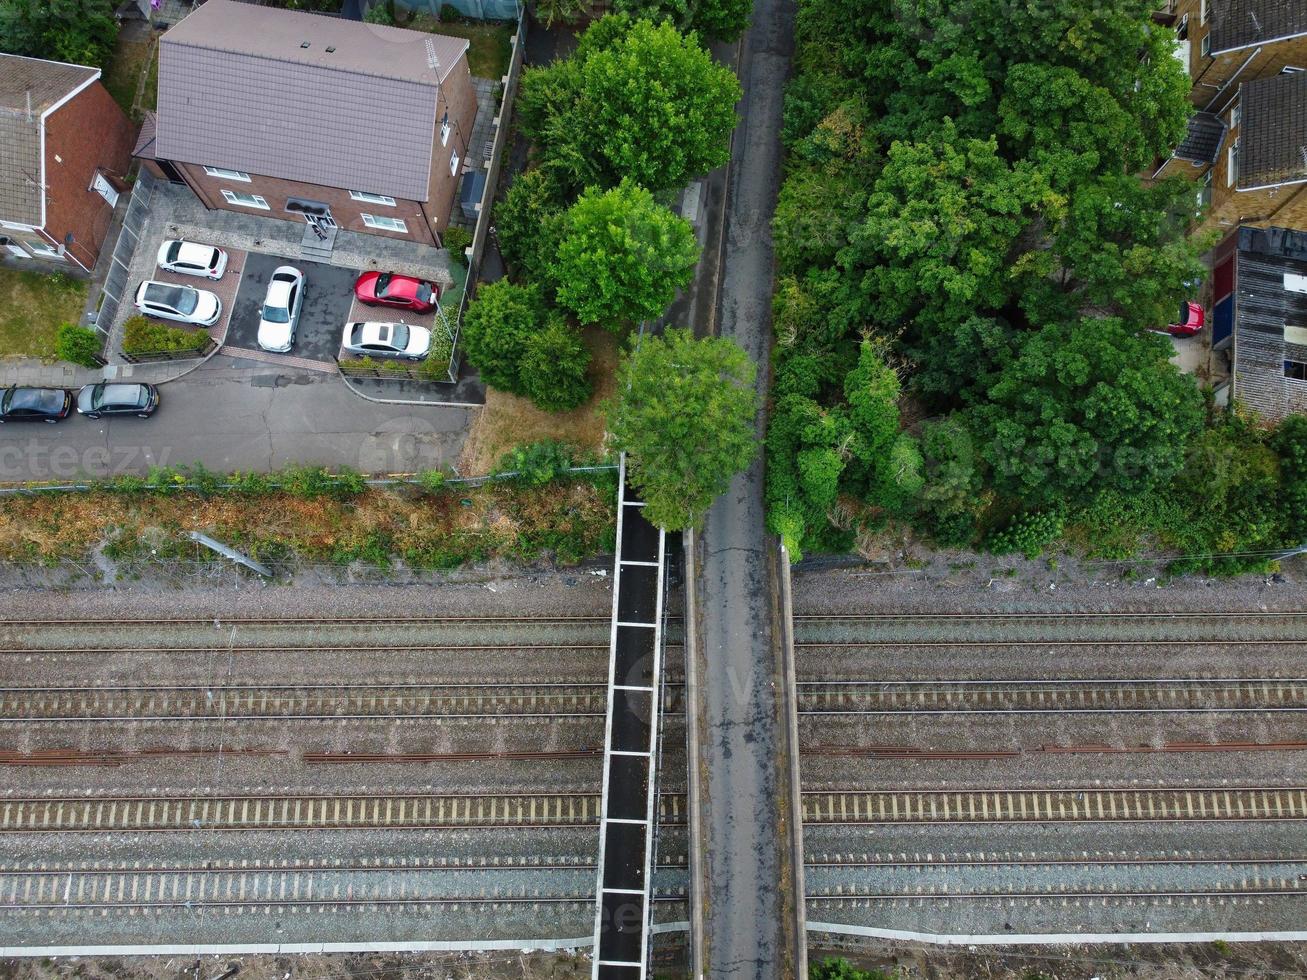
(553, 366)
(637, 100)
(1290, 444)
(719, 20)
(684, 415)
(622, 257)
(81, 32)
(380, 13)
(529, 222)
(1085, 407)
(496, 328)
(78, 345)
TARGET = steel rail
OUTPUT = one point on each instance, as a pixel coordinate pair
(1257, 892)
(1027, 616)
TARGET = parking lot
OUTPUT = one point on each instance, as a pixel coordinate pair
(328, 298)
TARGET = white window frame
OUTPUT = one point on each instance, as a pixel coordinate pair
(445, 130)
(1232, 164)
(367, 198)
(1202, 11)
(1236, 113)
(454, 161)
(1205, 45)
(228, 174)
(384, 223)
(44, 250)
(256, 201)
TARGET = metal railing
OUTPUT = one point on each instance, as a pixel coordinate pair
(150, 357)
(116, 280)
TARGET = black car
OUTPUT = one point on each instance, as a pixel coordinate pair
(117, 399)
(35, 404)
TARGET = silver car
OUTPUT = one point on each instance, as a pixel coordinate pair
(193, 259)
(281, 310)
(185, 304)
(387, 340)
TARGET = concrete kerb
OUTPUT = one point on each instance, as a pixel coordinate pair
(406, 401)
(1053, 938)
(789, 706)
(698, 894)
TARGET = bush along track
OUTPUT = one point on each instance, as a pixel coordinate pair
(539, 507)
(968, 273)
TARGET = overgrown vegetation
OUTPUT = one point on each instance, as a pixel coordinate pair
(961, 232)
(144, 336)
(586, 238)
(80, 32)
(309, 515)
(837, 968)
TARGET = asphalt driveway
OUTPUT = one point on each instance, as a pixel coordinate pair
(328, 296)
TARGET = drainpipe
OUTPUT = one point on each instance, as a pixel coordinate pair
(1231, 80)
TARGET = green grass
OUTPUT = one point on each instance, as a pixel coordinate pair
(32, 306)
(491, 42)
(124, 74)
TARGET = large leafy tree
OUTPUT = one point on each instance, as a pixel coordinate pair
(496, 328)
(721, 20)
(81, 32)
(637, 100)
(622, 257)
(1085, 407)
(684, 415)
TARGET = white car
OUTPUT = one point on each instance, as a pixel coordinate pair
(281, 310)
(192, 259)
(387, 340)
(185, 304)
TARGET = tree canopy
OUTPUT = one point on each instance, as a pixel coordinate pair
(80, 32)
(684, 415)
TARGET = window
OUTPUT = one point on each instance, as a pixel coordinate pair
(453, 165)
(44, 250)
(1295, 370)
(1236, 113)
(1182, 29)
(384, 224)
(1206, 45)
(372, 198)
(1233, 174)
(1202, 11)
(444, 130)
(229, 174)
(246, 200)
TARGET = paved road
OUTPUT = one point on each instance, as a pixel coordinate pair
(238, 415)
(749, 909)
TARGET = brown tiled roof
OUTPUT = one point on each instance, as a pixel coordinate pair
(1273, 130)
(302, 97)
(28, 86)
(1239, 23)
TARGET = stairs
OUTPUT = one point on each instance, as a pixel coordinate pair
(315, 248)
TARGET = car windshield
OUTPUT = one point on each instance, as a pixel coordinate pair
(276, 314)
(399, 337)
(424, 293)
(383, 283)
(179, 298)
(174, 250)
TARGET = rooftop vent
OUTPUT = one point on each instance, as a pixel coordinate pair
(330, 49)
(304, 44)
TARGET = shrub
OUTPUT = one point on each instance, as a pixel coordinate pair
(552, 369)
(457, 238)
(529, 222)
(432, 481)
(78, 345)
(449, 14)
(142, 336)
(1029, 533)
(496, 328)
(379, 13)
(536, 463)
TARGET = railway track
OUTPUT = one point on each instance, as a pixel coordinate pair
(165, 813)
(1044, 696)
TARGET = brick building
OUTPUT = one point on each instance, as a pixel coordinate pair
(1227, 42)
(313, 119)
(65, 147)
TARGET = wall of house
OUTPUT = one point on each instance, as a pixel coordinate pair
(1216, 77)
(86, 134)
(458, 98)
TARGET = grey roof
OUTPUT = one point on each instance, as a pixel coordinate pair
(144, 147)
(1273, 130)
(302, 97)
(35, 85)
(1202, 142)
(1239, 23)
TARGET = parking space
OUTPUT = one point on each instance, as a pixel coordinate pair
(226, 288)
(383, 314)
(328, 299)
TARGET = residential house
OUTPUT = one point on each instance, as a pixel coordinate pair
(310, 118)
(1225, 43)
(1260, 317)
(1250, 162)
(65, 147)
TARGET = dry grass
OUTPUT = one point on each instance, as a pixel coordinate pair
(509, 421)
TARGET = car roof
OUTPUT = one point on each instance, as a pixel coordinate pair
(121, 394)
(36, 397)
(196, 252)
(164, 292)
(278, 292)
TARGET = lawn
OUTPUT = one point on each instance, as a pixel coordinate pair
(32, 306)
(509, 420)
(121, 78)
(491, 41)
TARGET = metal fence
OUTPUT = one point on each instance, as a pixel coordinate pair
(120, 263)
(151, 357)
(503, 129)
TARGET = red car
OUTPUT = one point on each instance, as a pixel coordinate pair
(401, 292)
(1192, 318)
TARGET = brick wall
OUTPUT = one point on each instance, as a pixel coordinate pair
(458, 98)
(1213, 75)
(86, 134)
